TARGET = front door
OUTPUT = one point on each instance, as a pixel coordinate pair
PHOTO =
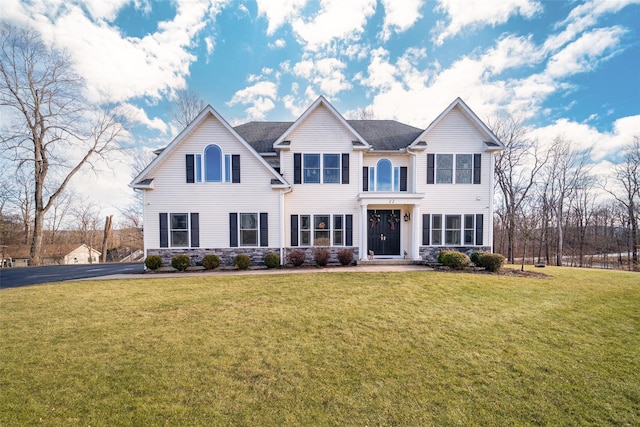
(384, 232)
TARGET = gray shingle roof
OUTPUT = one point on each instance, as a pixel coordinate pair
(380, 134)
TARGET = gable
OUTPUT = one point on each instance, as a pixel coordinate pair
(207, 129)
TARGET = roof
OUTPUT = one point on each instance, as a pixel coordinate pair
(380, 134)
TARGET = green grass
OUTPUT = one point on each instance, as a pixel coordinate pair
(361, 349)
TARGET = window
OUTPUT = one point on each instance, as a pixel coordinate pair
(179, 230)
(321, 230)
(452, 229)
(305, 230)
(436, 230)
(385, 177)
(213, 164)
(469, 229)
(384, 180)
(331, 168)
(440, 168)
(227, 168)
(317, 169)
(312, 168)
(464, 168)
(444, 168)
(338, 230)
(248, 229)
(198, 166)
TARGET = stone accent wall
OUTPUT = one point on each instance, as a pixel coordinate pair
(226, 254)
(430, 253)
(309, 253)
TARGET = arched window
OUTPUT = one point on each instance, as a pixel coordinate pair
(384, 175)
(213, 164)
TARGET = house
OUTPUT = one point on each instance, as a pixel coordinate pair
(377, 187)
(19, 255)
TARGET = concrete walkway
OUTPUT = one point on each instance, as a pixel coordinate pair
(287, 270)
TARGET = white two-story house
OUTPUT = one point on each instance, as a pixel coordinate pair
(378, 187)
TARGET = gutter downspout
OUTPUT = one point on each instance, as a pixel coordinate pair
(282, 220)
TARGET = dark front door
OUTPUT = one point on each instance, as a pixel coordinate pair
(384, 232)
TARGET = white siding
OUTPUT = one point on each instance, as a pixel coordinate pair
(456, 134)
(213, 201)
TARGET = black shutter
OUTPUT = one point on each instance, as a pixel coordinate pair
(426, 229)
(294, 230)
(297, 168)
(345, 168)
(403, 178)
(348, 240)
(365, 178)
(264, 229)
(235, 168)
(233, 230)
(477, 168)
(479, 228)
(190, 168)
(195, 230)
(164, 230)
(430, 168)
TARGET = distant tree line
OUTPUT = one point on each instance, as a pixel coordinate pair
(551, 208)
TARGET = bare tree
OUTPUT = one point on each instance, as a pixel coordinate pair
(106, 236)
(186, 107)
(516, 169)
(59, 211)
(627, 174)
(564, 172)
(50, 128)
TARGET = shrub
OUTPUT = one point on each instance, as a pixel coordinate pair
(272, 260)
(475, 257)
(297, 258)
(242, 261)
(345, 256)
(211, 261)
(454, 259)
(153, 262)
(492, 262)
(180, 262)
(321, 256)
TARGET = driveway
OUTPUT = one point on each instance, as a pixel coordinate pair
(15, 277)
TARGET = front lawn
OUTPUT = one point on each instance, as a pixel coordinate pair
(361, 349)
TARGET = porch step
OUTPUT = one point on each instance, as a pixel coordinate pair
(390, 261)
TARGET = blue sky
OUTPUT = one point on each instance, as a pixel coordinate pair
(569, 68)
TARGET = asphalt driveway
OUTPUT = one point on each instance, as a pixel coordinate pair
(15, 277)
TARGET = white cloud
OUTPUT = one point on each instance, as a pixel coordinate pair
(478, 13)
(138, 115)
(115, 66)
(586, 53)
(260, 97)
(583, 136)
(278, 44)
(399, 16)
(279, 12)
(327, 74)
(336, 20)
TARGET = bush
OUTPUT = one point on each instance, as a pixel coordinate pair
(272, 260)
(242, 261)
(454, 259)
(345, 256)
(475, 257)
(153, 262)
(491, 262)
(297, 258)
(180, 262)
(321, 256)
(211, 261)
